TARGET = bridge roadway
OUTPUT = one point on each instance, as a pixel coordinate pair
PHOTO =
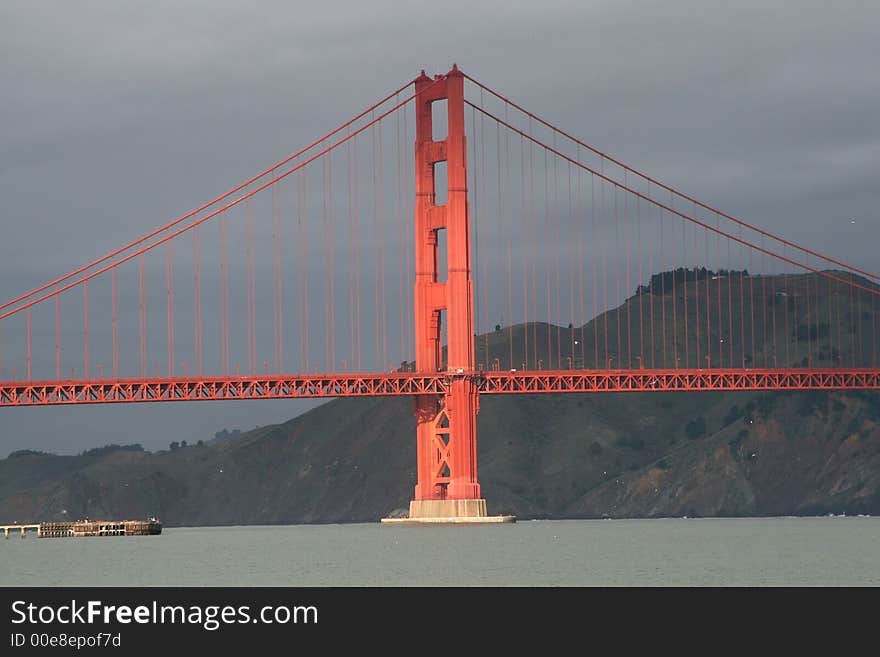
(284, 386)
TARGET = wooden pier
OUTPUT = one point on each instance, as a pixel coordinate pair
(79, 528)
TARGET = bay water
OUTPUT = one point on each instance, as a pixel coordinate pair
(684, 552)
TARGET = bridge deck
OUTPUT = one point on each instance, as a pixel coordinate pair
(35, 393)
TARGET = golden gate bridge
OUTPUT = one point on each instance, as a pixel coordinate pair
(405, 249)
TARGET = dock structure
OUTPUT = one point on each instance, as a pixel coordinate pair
(21, 529)
(79, 528)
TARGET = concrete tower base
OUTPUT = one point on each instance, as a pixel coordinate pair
(428, 512)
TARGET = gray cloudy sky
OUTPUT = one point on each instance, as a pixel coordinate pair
(118, 116)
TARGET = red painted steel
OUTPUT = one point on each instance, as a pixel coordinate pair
(446, 389)
(681, 380)
(446, 426)
(436, 384)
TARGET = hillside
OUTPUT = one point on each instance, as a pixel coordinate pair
(586, 455)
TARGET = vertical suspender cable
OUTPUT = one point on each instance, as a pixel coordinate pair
(858, 322)
(556, 257)
(684, 289)
(400, 233)
(661, 266)
(697, 273)
(253, 282)
(571, 315)
(752, 303)
(798, 313)
(476, 219)
(325, 273)
(484, 217)
(720, 278)
(276, 280)
(411, 232)
(382, 249)
(817, 312)
(169, 298)
(853, 323)
(57, 337)
(224, 295)
(197, 299)
(248, 247)
(673, 268)
(301, 258)
(773, 311)
(377, 339)
(142, 316)
(728, 281)
(641, 293)
(28, 328)
(500, 240)
(873, 332)
(114, 320)
(533, 254)
(351, 327)
(604, 261)
(408, 241)
(508, 230)
(86, 355)
(307, 288)
(839, 323)
(547, 293)
(764, 345)
(330, 326)
(357, 254)
(281, 367)
(580, 256)
(742, 310)
(618, 349)
(807, 317)
(524, 249)
(708, 300)
(789, 296)
(627, 276)
(651, 293)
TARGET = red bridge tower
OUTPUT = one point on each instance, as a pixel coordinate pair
(446, 424)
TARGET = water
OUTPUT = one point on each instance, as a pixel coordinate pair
(826, 551)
